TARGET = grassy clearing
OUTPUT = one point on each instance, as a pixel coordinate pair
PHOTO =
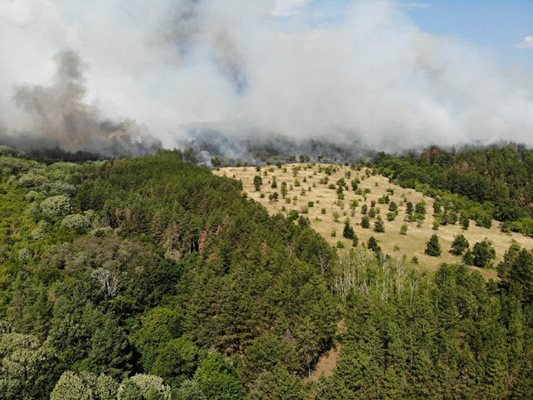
(310, 196)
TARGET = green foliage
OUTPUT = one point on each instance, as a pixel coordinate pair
(150, 278)
(176, 360)
(84, 386)
(373, 245)
(143, 387)
(28, 368)
(145, 265)
(483, 254)
(487, 183)
(459, 245)
(348, 231)
(379, 226)
(217, 380)
(433, 246)
(412, 335)
(77, 222)
(56, 206)
(258, 181)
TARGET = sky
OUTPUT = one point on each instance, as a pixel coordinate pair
(384, 74)
(496, 25)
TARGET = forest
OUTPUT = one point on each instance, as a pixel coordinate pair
(494, 182)
(151, 278)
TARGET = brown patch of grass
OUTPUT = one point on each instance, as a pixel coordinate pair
(326, 365)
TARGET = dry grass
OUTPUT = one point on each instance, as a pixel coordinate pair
(412, 245)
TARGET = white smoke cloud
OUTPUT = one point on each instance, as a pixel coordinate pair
(527, 43)
(226, 65)
(285, 8)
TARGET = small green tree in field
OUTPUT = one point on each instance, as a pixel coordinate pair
(365, 222)
(379, 226)
(483, 254)
(465, 222)
(257, 183)
(403, 229)
(284, 190)
(348, 231)
(433, 246)
(373, 245)
(468, 258)
(459, 245)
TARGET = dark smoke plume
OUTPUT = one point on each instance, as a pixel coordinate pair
(61, 117)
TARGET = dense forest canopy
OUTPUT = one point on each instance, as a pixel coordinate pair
(151, 278)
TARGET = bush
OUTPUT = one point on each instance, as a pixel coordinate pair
(365, 222)
(403, 229)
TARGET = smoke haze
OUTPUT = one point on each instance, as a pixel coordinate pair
(229, 74)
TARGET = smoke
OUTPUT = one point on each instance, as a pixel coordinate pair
(61, 116)
(233, 75)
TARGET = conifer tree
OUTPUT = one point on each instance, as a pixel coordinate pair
(433, 246)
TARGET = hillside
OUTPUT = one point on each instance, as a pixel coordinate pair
(153, 279)
(312, 183)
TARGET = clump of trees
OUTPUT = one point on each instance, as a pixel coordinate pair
(481, 255)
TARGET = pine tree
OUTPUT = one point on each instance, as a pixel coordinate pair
(465, 222)
(459, 245)
(348, 231)
(257, 183)
(483, 253)
(433, 246)
(372, 244)
(379, 226)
